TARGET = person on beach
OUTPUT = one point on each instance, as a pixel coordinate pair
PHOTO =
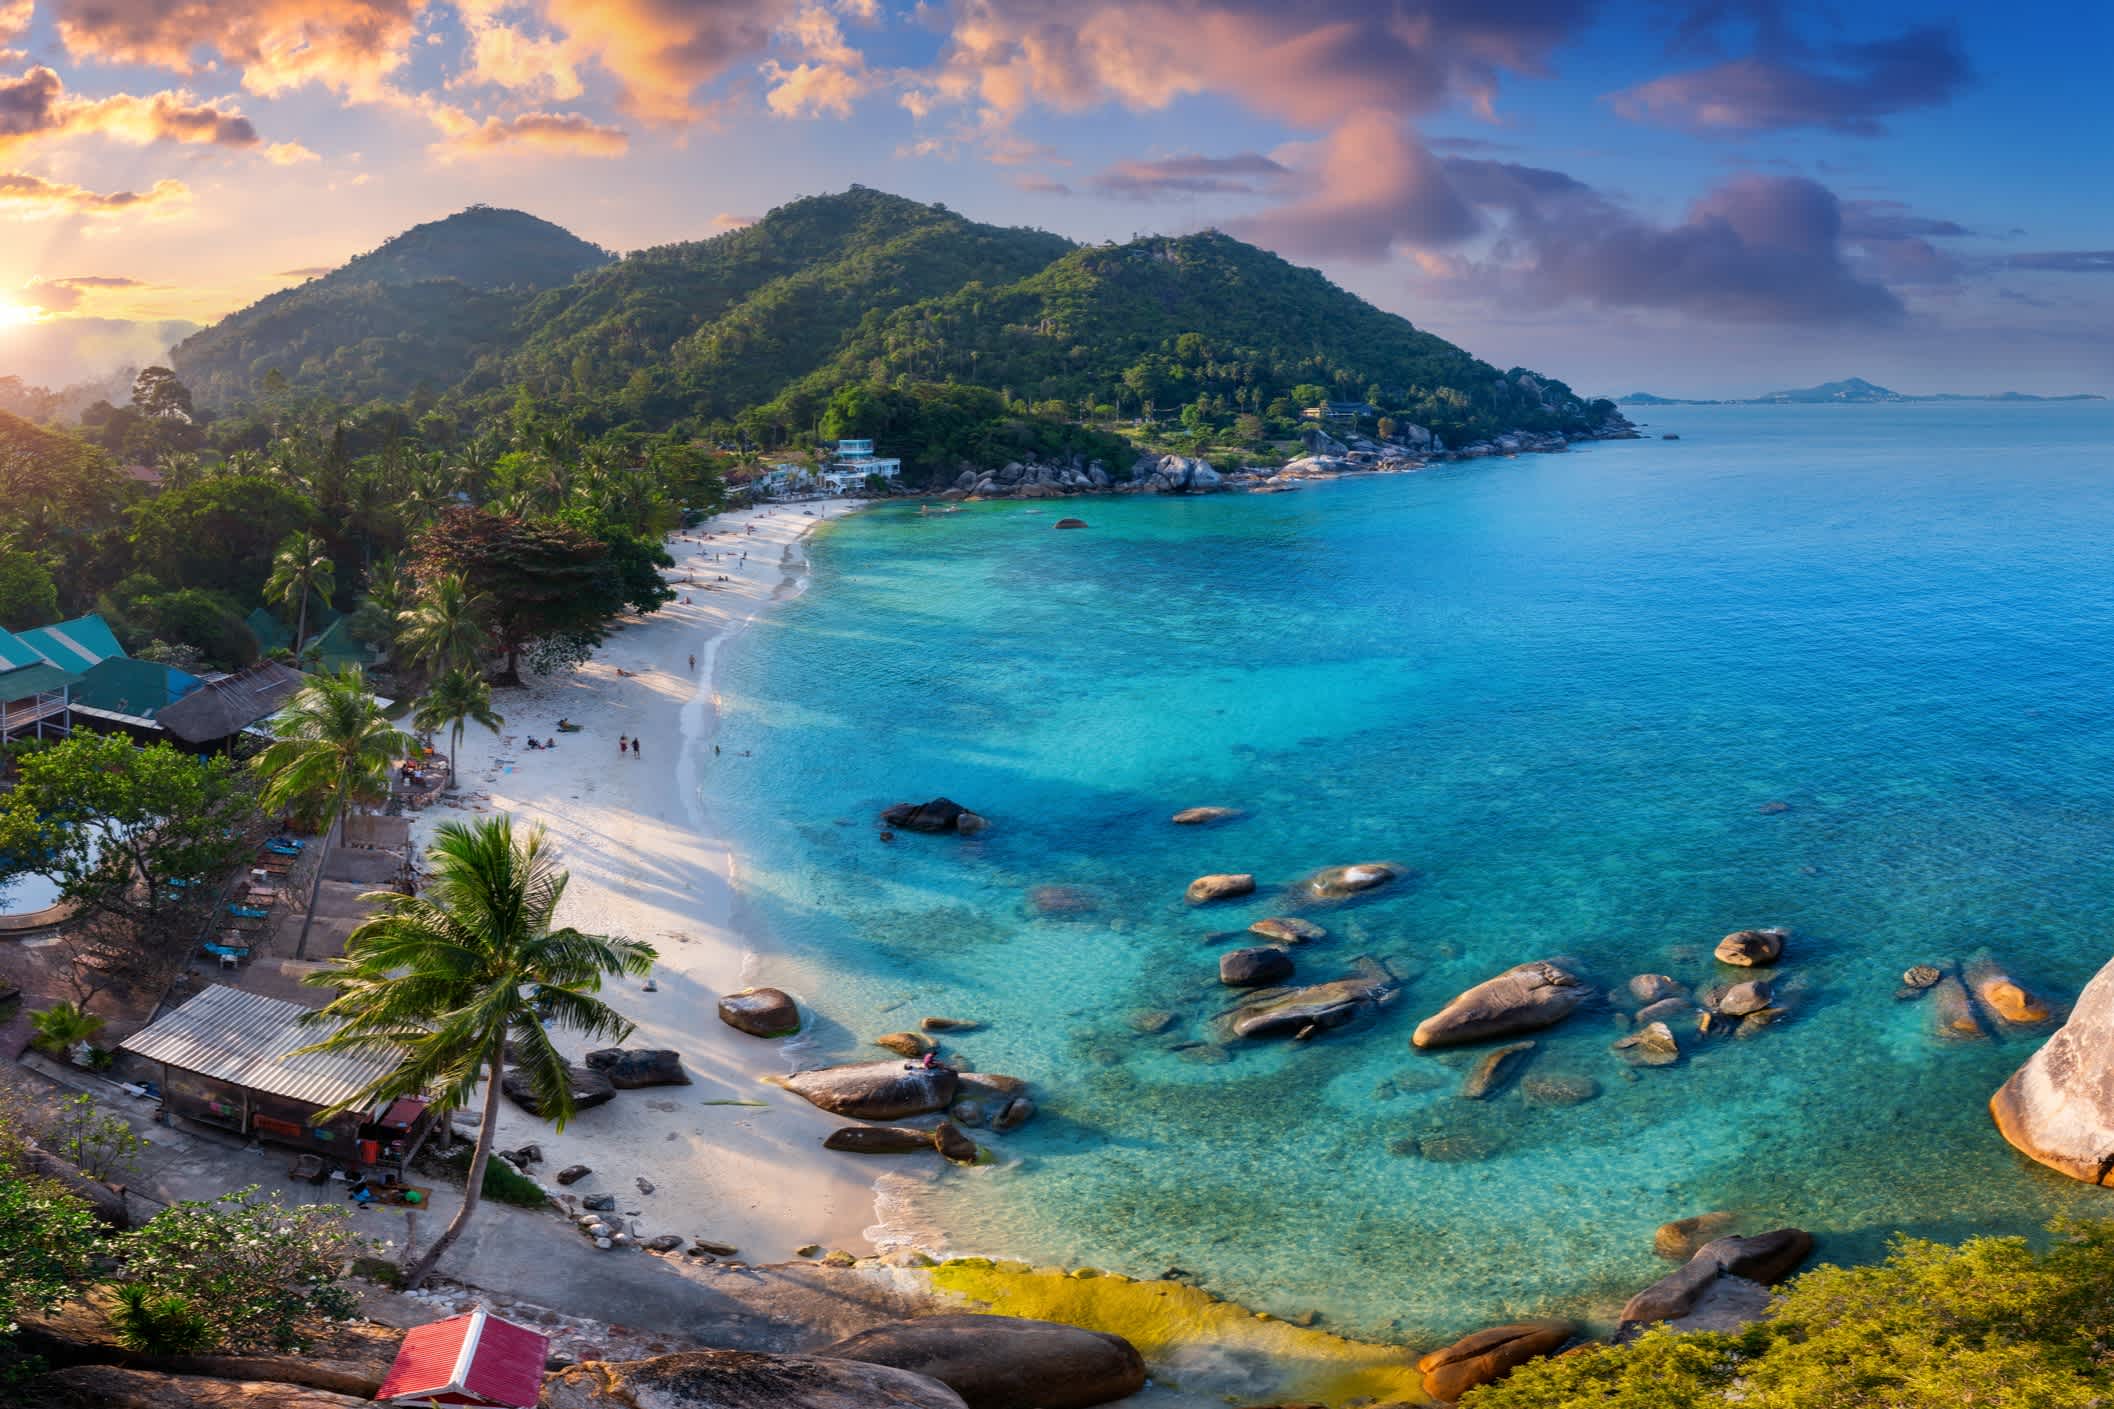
(634, 748)
(623, 744)
(693, 662)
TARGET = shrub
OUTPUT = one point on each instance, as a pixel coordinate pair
(47, 1243)
(159, 1323)
(62, 1026)
(93, 1140)
(510, 1186)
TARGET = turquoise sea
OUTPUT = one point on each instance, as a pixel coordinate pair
(1563, 688)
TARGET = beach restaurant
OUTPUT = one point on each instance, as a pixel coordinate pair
(233, 1060)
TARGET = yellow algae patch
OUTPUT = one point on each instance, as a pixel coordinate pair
(1190, 1339)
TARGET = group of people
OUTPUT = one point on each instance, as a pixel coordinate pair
(624, 744)
(545, 744)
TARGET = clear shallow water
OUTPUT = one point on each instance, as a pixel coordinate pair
(1561, 687)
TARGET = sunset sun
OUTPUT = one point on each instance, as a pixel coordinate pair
(14, 315)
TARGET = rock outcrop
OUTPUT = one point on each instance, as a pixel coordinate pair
(761, 1012)
(739, 1379)
(1203, 816)
(1752, 949)
(1489, 1355)
(2059, 1107)
(1765, 1258)
(1258, 967)
(879, 1140)
(875, 1090)
(1521, 999)
(109, 1387)
(939, 815)
(1288, 929)
(1303, 1012)
(1176, 474)
(589, 1089)
(1222, 886)
(2004, 995)
(1340, 882)
(629, 1069)
(1004, 1362)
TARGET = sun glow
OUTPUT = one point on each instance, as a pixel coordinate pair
(14, 315)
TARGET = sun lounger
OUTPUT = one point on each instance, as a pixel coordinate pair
(248, 912)
(284, 846)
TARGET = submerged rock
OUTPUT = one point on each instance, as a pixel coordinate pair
(1652, 1045)
(906, 1044)
(1069, 523)
(1339, 882)
(761, 1012)
(1952, 1014)
(1489, 1355)
(1063, 900)
(1557, 1088)
(1221, 886)
(1921, 976)
(948, 1139)
(1655, 988)
(2059, 1107)
(1287, 929)
(1752, 949)
(740, 1379)
(1681, 1238)
(1254, 968)
(1489, 1074)
(875, 1090)
(1016, 1113)
(1203, 816)
(939, 815)
(1521, 999)
(1318, 1007)
(1005, 1362)
(2003, 995)
(1744, 998)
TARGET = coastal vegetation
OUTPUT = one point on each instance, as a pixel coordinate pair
(462, 980)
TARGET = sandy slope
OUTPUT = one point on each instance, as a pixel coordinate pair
(636, 834)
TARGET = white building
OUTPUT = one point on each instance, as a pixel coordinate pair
(855, 464)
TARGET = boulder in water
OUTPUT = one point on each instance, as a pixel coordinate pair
(1004, 1362)
(939, 815)
(1221, 886)
(2004, 995)
(1744, 998)
(2059, 1107)
(1521, 999)
(875, 1090)
(1652, 1045)
(1489, 1074)
(1254, 968)
(906, 1044)
(1952, 1013)
(761, 1012)
(1204, 816)
(1341, 882)
(1489, 1355)
(1766, 1258)
(1752, 949)
(1069, 523)
(1681, 1238)
(1287, 929)
(1303, 1012)
(1655, 988)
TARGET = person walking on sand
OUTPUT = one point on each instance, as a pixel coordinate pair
(634, 748)
(622, 743)
(693, 662)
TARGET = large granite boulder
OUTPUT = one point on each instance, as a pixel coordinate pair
(630, 1068)
(1752, 949)
(875, 1090)
(939, 815)
(1004, 1362)
(1204, 816)
(740, 1379)
(2004, 995)
(1765, 1258)
(1303, 1012)
(1288, 929)
(1257, 967)
(2059, 1107)
(879, 1140)
(1221, 886)
(1489, 1355)
(1340, 882)
(589, 1089)
(109, 1387)
(761, 1012)
(1521, 999)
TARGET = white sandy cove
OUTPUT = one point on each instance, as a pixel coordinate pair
(646, 864)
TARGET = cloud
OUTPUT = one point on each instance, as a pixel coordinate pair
(72, 349)
(1846, 88)
(35, 106)
(1041, 186)
(662, 51)
(288, 154)
(563, 134)
(809, 90)
(2063, 262)
(1893, 220)
(726, 221)
(505, 55)
(1373, 187)
(14, 18)
(305, 272)
(27, 196)
(350, 46)
(1190, 175)
(64, 295)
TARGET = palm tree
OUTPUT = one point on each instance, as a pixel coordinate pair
(447, 628)
(334, 747)
(459, 696)
(301, 566)
(453, 979)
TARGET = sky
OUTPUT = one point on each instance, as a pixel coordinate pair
(1711, 198)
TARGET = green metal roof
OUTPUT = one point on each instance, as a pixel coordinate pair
(14, 653)
(128, 686)
(28, 680)
(73, 645)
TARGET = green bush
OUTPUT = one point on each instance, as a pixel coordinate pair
(163, 1323)
(510, 1186)
(1990, 1323)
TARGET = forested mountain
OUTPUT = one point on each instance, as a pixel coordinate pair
(749, 336)
(416, 311)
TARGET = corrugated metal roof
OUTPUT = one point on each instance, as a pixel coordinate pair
(73, 645)
(39, 678)
(255, 1041)
(14, 652)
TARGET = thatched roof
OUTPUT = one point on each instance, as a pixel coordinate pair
(232, 703)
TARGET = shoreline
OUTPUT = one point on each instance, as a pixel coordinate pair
(726, 1157)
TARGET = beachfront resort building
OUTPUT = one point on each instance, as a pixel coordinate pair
(855, 465)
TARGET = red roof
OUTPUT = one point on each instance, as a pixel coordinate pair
(403, 1113)
(473, 1359)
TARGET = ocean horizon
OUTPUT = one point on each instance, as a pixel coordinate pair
(1838, 669)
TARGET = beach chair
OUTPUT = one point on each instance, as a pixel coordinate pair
(247, 912)
(230, 955)
(284, 846)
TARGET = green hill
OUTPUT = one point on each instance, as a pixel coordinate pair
(754, 333)
(419, 310)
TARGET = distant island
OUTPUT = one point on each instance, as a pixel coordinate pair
(1855, 391)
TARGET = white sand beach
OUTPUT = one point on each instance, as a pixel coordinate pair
(647, 862)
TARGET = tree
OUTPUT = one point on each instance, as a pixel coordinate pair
(446, 629)
(28, 597)
(99, 1144)
(262, 1268)
(333, 748)
(457, 697)
(158, 394)
(134, 836)
(302, 568)
(547, 579)
(47, 1237)
(62, 1027)
(220, 533)
(452, 979)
